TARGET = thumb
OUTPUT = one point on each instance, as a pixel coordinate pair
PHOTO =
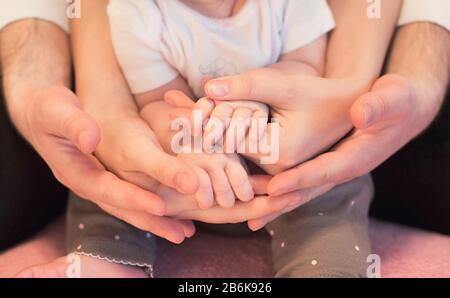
(264, 85)
(64, 117)
(391, 98)
(148, 158)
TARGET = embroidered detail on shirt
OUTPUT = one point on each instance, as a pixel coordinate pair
(218, 68)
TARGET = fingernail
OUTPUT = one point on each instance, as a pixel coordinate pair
(368, 115)
(218, 89)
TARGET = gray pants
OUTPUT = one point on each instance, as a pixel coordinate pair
(324, 238)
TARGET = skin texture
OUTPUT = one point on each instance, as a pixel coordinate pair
(116, 114)
(399, 107)
(129, 214)
(222, 173)
(35, 59)
(106, 110)
(49, 115)
(128, 148)
(127, 140)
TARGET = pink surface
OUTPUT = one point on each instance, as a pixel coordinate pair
(404, 252)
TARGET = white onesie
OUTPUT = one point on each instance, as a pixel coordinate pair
(157, 40)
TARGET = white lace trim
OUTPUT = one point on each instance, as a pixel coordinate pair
(115, 261)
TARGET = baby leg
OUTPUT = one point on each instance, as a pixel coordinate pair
(93, 233)
(327, 237)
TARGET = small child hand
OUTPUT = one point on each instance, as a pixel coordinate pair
(230, 122)
(221, 176)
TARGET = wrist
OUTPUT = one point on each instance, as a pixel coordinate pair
(111, 112)
(23, 102)
(428, 97)
(349, 89)
(361, 73)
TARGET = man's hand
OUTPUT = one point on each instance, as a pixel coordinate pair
(65, 137)
(35, 60)
(399, 107)
(384, 120)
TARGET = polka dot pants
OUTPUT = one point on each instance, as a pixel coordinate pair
(327, 237)
(324, 238)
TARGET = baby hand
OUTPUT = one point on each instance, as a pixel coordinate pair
(221, 176)
(229, 123)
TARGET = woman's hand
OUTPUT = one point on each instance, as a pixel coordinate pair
(311, 112)
(287, 95)
(129, 149)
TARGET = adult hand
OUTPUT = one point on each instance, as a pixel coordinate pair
(312, 112)
(327, 109)
(52, 120)
(385, 119)
(129, 149)
(185, 207)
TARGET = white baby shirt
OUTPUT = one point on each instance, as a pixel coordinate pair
(157, 40)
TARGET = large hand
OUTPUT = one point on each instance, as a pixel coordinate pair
(391, 104)
(53, 122)
(286, 94)
(386, 119)
(312, 112)
(186, 207)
